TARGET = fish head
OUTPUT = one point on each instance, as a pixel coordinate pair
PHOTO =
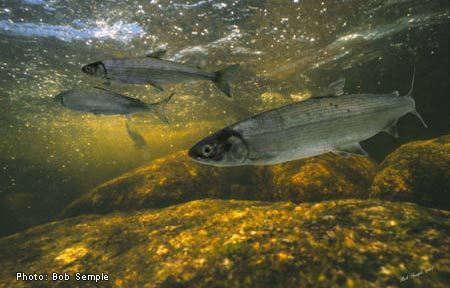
(224, 148)
(96, 69)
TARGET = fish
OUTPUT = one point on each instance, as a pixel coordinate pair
(138, 140)
(155, 71)
(307, 128)
(102, 101)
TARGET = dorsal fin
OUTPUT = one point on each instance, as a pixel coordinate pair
(157, 54)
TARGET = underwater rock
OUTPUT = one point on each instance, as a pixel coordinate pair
(223, 243)
(324, 177)
(166, 181)
(416, 172)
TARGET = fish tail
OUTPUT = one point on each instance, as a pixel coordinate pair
(414, 112)
(159, 108)
(223, 76)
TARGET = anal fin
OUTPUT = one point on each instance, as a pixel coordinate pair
(350, 149)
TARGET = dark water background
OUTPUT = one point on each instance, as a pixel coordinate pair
(287, 49)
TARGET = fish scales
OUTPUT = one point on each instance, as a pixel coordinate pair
(313, 110)
(157, 64)
(320, 124)
(304, 129)
(152, 70)
(102, 101)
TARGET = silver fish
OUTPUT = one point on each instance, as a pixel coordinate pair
(102, 101)
(155, 71)
(312, 127)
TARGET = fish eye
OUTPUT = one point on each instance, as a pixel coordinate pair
(88, 68)
(207, 150)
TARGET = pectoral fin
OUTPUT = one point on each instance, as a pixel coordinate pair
(334, 89)
(157, 54)
(347, 150)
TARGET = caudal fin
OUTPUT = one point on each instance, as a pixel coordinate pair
(159, 108)
(223, 76)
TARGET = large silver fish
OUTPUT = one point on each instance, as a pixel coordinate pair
(102, 101)
(304, 129)
(155, 71)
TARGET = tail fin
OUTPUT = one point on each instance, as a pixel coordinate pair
(159, 108)
(223, 76)
(415, 113)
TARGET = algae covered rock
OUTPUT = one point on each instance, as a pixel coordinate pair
(165, 181)
(229, 243)
(315, 179)
(416, 172)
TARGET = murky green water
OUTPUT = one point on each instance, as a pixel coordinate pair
(49, 155)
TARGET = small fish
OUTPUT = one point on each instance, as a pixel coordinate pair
(312, 127)
(138, 140)
(155, 71)
(102, 101)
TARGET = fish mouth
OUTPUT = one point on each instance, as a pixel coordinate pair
(195, 157)
(84, 69)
